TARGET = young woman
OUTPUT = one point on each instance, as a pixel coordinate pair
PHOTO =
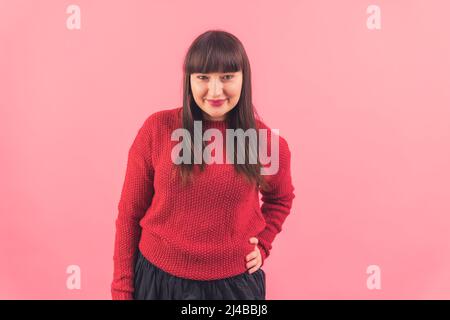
(196, 229)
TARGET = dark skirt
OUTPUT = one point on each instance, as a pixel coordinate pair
(152, 283)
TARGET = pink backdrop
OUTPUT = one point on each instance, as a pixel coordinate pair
(366, 113)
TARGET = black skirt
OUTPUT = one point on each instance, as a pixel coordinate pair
(152, 283)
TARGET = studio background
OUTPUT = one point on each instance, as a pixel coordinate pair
(366, 113)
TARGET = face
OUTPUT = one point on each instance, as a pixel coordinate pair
(225, 87)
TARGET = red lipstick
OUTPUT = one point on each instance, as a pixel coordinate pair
(216, 103)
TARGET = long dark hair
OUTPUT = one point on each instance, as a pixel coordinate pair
(220, 51)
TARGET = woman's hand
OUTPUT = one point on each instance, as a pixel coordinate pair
(254, 259)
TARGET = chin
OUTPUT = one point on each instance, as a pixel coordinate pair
(217, 113)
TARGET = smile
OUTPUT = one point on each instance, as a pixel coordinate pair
(216, 103)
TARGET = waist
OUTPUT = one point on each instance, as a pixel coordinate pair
(218, 259)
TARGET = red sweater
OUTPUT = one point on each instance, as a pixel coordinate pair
(201, 232)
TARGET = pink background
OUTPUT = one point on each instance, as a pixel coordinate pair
(366, 114)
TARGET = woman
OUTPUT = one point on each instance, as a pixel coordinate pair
(195, 229)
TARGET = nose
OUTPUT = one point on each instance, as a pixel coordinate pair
(215, 87)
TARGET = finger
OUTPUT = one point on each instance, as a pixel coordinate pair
(252, 255)
(251, 264)
(254, 269)
(254, 240)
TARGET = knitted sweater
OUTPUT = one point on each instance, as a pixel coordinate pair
(201, 232)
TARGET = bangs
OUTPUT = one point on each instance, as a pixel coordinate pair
(214, 54)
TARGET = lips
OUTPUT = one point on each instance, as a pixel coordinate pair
(216, 103)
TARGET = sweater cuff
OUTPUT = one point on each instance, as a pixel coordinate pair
(265, 239)
(263, 254)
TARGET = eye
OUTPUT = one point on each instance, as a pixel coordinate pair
(226, 77)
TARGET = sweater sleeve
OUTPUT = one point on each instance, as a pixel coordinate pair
(136, 196)
(277, 201)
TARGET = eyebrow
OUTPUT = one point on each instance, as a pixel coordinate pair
(231, 72)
